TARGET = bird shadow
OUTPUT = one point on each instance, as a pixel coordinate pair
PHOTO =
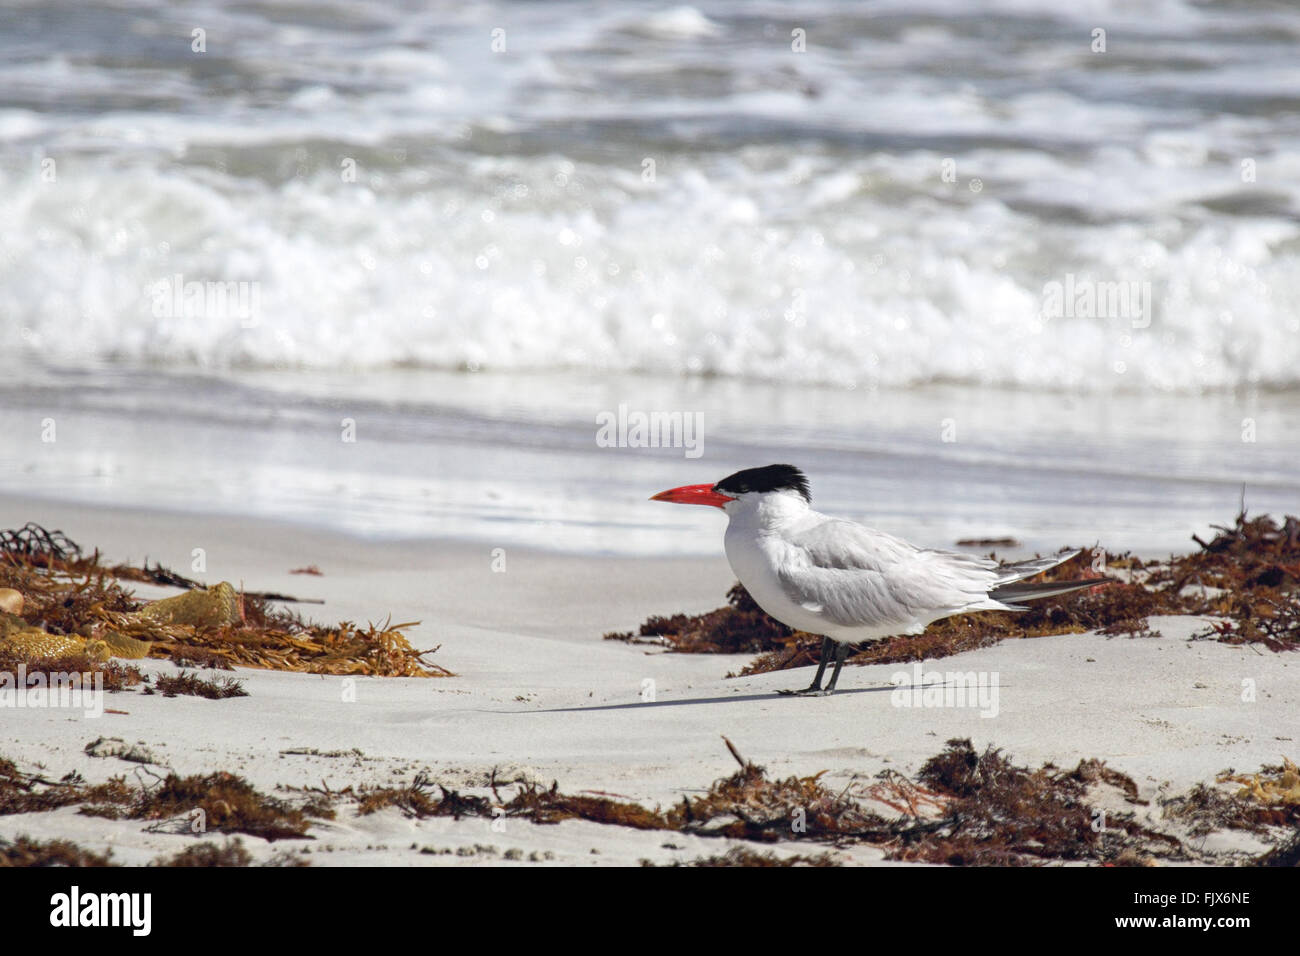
(728, 699)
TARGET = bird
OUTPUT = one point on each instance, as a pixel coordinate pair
(844, 581)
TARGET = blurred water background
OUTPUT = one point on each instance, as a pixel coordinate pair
(832, 230)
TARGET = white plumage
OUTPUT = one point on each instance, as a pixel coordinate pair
(842, 580)
(852, 583)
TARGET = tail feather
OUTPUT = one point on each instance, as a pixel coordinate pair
(1009, 573)
(1020, 591)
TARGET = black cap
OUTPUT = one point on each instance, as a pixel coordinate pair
(768, 478)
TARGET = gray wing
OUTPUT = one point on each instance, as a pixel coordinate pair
(856, 577)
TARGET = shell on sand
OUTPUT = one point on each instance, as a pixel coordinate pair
(11, 601)
(213, 607)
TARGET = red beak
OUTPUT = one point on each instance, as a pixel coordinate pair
(693, 495)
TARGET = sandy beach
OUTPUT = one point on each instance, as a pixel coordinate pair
(538, 695)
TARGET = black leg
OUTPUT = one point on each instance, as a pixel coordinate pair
(816, 686)
(825, 655)
(841, 652)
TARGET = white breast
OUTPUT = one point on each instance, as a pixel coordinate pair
(754, 557)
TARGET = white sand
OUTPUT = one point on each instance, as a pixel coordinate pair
(538, 693)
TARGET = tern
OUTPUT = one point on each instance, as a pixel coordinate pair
(847, 582)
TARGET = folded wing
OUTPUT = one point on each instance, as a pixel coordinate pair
(856, 577)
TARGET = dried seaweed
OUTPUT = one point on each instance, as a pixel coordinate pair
(27, 793)
(24, 851)
(228, 803)
(1250, 552)
(207, 853)
(1004, 815)
(550, 806)
(116, 676)
(743, 856)
(1205, 809)
(344, 649)
(1248, 574)
(195, 686)
(68, 594)
(1254, 568)
(740, 627)
(1259, 616)
(1277, 786)
(61, 601)
(229, 854)
(33, 541)
(1268, 798)
(201, 657)
(532, 802)
(747, 805)
(963, 807)
(1286, 853)
(418, 801)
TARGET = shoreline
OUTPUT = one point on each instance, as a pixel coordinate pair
(478, 461)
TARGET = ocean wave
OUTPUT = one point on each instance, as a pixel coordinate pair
(921, 195)
(806, 270)
(549, 264)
